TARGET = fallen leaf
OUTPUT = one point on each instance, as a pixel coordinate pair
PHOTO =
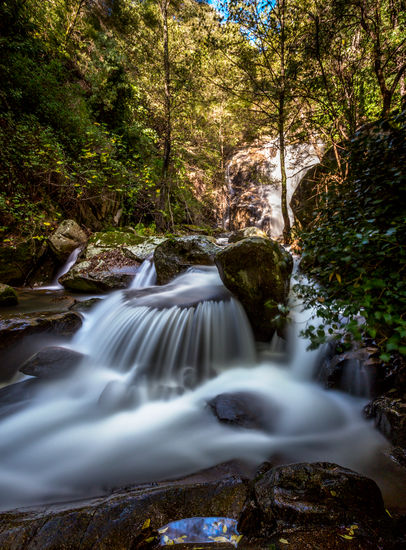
(284, 541)
(224, 528)
(163, 530)
(147, 523)
(346, 537)
(333, 493)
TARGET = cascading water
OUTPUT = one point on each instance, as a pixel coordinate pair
(55, 285)
(111, 423)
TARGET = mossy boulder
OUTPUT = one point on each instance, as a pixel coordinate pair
(8, 296)
(257, 271)
(18, 261)
(176, 255)
(245, 233)
(68, 236)
(109, 262)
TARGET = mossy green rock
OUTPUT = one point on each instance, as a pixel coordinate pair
(18, 262)
(257, 271)
(246, 233)
(8, 296)
(176, 255)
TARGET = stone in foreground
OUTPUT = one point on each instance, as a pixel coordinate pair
(8, 296)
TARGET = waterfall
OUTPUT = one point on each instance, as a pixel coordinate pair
(136, 409)
(253, 178)
(73, 256)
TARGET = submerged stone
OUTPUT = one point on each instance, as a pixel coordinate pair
(52, 362)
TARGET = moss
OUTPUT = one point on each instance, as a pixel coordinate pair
(112, 239)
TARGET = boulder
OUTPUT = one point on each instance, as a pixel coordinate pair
(52, 362)
(129, 519)
(8, 296)
(18, 261)
(242, 409)
(109, 262)
(19, 326)
(85, 305)
(389, 414)
(65, 239)
(257, 271)
(309, 496)
(176, 255)
(245, 233)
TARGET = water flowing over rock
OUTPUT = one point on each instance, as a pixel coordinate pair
(175, 256)
(257, 271)
(66, 238)
(52, 362)
(254, 189)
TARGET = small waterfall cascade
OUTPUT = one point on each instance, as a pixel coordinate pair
(146, 274)
(137, 409)
(253, 179)
(73, 256)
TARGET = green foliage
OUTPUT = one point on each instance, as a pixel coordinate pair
(357, 249)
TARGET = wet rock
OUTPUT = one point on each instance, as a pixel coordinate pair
(126, 520)
(389, 414)
(309, 496)
(65, 239)
(174, 256)
(257, 271)
(18, 261)
(144, 250)
(52, 362)
(16, 396)
(14, 329)
(305, 199)
(245, 233)
(8, 296)
(242, 409)
(85, 305)
(109, 262)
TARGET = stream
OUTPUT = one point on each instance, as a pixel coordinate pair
(136, 409)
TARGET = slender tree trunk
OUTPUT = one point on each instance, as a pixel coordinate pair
(281, 131)
(165, 198)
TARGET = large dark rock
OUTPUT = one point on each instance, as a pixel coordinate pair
(309, 496)
(19, 326)
(8, 296)
(243, 409)
(126, 520)
(389, 414)
(65, 239)
(257, 271)
(18, 261)
(174, 256)
(52, 362)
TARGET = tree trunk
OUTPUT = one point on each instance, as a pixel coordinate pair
(281, 131)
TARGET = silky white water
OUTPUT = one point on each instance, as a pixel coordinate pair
(136, 409)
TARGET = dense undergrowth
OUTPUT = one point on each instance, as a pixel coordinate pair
(356, 248)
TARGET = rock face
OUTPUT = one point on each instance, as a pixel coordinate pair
(257, 271)
(122, 521)
(308, 497)
(18, 262)
(8, 296)
(52, 362)
(305, 199)
(66, 238)
(109, 262)
(245, 233)
(175, 256)
(389, 414)
(13, 330)
(254, 184)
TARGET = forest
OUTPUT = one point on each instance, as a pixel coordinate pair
(152, 126)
